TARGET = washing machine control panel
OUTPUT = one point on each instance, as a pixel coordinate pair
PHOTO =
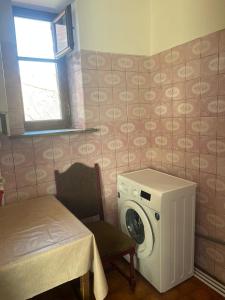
(139, 193)
(135, 192)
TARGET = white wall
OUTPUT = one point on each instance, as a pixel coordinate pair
(174, 22)
(119, 26)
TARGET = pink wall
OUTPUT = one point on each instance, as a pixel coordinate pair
(166, 111)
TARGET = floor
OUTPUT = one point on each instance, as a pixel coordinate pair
(192, 289)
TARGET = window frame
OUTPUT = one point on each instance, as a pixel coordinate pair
(60, 69)
(69, 26)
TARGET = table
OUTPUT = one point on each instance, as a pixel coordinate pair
(43, 245)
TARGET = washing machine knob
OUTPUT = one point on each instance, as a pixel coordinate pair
(157, 216)
(135, 193)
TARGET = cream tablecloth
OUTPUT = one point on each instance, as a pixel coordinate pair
(42, 245)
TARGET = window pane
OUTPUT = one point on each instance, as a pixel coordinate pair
(61, 34)
(40, 91)
(34, 38)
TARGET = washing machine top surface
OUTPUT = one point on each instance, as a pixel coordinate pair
(157, 181)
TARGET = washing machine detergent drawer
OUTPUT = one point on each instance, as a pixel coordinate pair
(142, 195)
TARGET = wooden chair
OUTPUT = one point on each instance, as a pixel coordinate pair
(79, 189)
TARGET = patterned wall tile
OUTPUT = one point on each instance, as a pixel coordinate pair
(149, 64)
(6, 161)
(210, 44)
(124, 62)
(210, 65)
(220, 127)
(125, 95)
(104, 61)
(165, 58)
(88, 59)
(25, 177)
(28, 192)
(208, 145)
(192, 88)
(192, 50)
(10, 180)
(192, 69)
(178, 55)
(179, 73)
(222, 40)
(222, 84)
(209, 106)
(46, 188)
(44, 173)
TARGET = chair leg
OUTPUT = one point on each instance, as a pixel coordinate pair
(132, 271)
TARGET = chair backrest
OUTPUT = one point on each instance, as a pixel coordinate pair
(79, 189)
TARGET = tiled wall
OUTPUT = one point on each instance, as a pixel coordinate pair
(166, 111)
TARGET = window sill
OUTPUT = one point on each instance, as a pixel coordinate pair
(54, 132)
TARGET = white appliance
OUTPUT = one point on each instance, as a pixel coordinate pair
(158, 211)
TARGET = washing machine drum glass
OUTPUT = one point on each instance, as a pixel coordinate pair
(135, 222)
(135, 226)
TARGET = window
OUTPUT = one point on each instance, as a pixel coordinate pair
(43, 80)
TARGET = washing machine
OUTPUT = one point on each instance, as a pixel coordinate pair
(158, 211)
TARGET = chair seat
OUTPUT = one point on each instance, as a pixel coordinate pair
(110, 240)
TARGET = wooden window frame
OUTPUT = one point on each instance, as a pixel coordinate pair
(62, 83)
(69, 26)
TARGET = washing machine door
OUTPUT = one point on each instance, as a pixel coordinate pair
(137, 225)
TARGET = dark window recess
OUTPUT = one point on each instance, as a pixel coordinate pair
(145, 195)
(135, 226)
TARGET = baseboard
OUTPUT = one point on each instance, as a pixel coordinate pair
(211, 282)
